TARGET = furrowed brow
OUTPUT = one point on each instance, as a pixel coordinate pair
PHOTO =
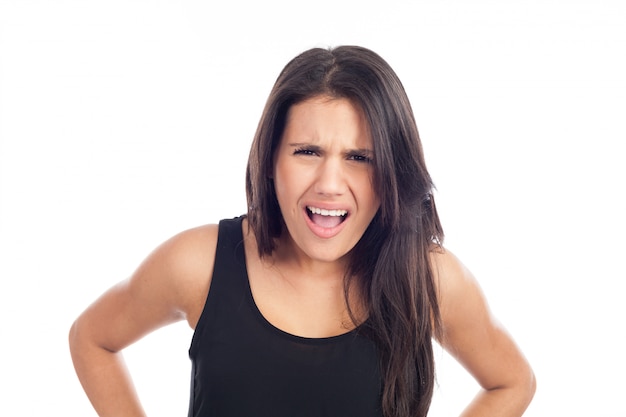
(305, 145)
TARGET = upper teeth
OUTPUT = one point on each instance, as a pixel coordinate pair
(325, 212)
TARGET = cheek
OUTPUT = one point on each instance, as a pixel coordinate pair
(278, 175)
(369, 197)
(284, 185)
(374, 194)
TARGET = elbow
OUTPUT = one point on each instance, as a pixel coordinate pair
(74, 338)
(78, 339)
(82, 346)
(520, 390)
(525, 388)
(525, 385)
(531, 385)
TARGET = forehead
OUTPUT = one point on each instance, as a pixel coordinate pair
(325, 117)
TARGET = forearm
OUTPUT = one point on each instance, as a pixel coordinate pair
(105, 379)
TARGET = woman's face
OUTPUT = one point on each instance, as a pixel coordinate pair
(323, 177)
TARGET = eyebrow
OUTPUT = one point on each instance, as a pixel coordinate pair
(364, 151)
(301, 144)
(318, 148)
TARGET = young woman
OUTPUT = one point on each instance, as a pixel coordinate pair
(324, 299)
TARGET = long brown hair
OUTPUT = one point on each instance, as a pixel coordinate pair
(391, 260)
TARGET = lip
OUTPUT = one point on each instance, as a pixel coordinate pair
(324, 232)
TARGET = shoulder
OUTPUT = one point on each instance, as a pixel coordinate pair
(459, 294)
(180, 270)
(449, 272)
(186, 252)
(189, 248)
(171, 284)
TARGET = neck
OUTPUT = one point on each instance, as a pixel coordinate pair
(289, 256)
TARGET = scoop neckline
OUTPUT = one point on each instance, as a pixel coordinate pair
(269, 325)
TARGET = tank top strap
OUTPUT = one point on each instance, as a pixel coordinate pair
(244, 366)
(229, 281)
(230, 257)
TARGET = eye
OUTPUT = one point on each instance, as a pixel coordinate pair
(305, 151)
(360, 157)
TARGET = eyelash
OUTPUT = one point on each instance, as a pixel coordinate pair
(361, 158)
(357, 157)
(304, 151)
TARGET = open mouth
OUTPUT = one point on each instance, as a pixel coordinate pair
(326, 218)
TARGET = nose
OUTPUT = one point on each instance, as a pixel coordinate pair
(331, 178)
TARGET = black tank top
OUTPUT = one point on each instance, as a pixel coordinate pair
(243, 366)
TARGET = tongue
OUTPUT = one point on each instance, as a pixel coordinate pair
(326, 221)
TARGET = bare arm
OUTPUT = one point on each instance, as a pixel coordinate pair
(474, 337)
(171, 285)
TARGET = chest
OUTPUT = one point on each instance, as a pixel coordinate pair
(298, 304)
(243, 365)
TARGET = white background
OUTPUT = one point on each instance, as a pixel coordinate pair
(125, 122)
